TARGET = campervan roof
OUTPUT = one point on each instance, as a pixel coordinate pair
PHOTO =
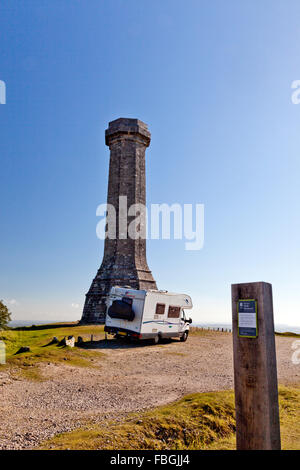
(181, 299)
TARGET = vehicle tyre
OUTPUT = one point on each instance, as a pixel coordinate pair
(119, 336)
(184, 337)
(155, 340)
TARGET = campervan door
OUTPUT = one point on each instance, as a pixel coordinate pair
(163, 313)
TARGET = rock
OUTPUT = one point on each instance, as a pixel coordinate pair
(70, 341)
(23, 349)
(54, 340)
(62, 342)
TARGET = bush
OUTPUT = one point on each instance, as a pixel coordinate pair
(4, 316)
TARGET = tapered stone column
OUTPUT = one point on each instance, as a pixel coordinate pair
(124, 261)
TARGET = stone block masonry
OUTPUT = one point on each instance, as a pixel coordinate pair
(124, 260)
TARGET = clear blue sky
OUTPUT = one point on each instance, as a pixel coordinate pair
(212, 79)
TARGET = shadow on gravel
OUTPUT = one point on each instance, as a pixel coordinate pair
(121, 344)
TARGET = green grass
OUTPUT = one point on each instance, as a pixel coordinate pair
(173, 353)
(37, 338)
(198, 421)
(288, 333)
(289, 410)
(196, 331)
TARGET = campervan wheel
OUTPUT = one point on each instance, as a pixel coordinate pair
(184, 337)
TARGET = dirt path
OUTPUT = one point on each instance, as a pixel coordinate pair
(127, 378)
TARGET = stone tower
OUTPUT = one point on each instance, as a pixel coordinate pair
(124, 261)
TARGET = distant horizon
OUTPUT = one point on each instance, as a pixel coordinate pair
(279, 327)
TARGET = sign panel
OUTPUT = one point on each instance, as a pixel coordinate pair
(247, 318)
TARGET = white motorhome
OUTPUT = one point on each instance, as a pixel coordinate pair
(151, 314)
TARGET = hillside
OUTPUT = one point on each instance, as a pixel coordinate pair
(97, 389)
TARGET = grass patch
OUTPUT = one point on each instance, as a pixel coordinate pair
(198, 421)
(288, 333)
(28, 364)
(198, 331)
(173, 353)
(289, 410)
(189, 423)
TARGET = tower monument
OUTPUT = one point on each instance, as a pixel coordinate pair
(124, 261)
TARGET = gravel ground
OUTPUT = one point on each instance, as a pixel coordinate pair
(127, 378)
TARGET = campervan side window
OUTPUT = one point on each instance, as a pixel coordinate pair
(174, 312)
(160, 309)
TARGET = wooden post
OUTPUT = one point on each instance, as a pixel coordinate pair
(255, 372)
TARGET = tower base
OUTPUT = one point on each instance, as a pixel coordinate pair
(95, 303)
